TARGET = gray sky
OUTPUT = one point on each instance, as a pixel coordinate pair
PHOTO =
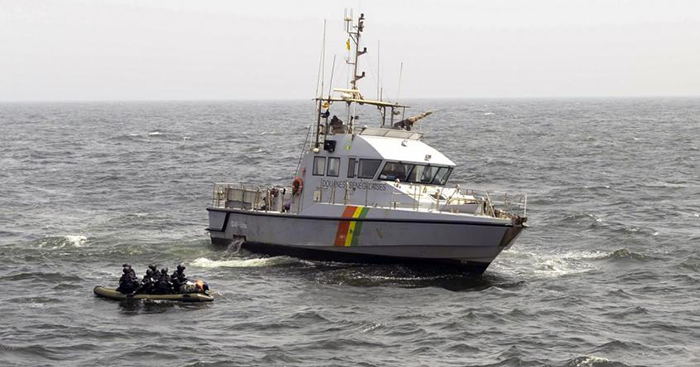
(181, 50)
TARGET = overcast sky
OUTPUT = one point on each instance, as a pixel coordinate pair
(228, 50)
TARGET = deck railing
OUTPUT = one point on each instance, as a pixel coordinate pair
(250, 197)
(409, 196)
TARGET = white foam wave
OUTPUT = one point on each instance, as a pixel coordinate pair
(61, 242)
(155, 133)
(76, 241)
(590, 361)
(203, 262)
(555, 265)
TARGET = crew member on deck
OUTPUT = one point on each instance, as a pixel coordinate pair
(336, 125)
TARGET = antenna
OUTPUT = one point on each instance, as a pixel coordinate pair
(330, 85)
(379, 98)
(322, 66)
(398, 92)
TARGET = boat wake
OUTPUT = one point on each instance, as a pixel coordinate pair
(203, 262)
(554, 265)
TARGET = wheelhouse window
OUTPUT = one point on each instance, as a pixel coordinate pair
(368, 167)
(442, 175)
(416, 173)
(351, 167)
(396, 171)
(423, 174)
(319, 166)
(333, 167)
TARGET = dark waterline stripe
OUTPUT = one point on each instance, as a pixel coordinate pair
(433, 221)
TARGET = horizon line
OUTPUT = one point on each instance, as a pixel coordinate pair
(311, 99)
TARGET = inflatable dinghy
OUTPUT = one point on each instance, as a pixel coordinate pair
(184, 297)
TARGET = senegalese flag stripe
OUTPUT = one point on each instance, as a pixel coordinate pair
(349, 230)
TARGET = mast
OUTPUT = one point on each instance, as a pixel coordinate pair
(351, 96)
(355, 32)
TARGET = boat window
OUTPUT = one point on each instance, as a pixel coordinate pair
(319, 166)
(423, 174)
(368, 167)
(351, 168)
(442, 176)
(333, 167)
(396, 171)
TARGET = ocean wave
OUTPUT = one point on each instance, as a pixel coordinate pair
(624, 253)
(617, 346)
(462, 348)
(129, 137)
(55, 243)
(592, 361)
(203, 262)
(553, 264)
(563, 263)
(619, 293)
(589, 218)
(691, 263)
(34, 300)
(629, 312)
(51, 278)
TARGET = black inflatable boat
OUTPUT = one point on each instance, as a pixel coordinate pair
(185, 297)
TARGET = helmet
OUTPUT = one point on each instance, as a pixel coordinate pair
(181, 267)
(164, 271)
(149, 272)
(152, 267)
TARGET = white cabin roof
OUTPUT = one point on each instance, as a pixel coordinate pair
(393, 149)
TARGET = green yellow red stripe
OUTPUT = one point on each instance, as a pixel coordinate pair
(357, 229)
(349, 231)
(343, 226)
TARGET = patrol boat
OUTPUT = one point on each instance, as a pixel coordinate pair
(368, 194)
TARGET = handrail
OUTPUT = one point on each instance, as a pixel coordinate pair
(415, 197)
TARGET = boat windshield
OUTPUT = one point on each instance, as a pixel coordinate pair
(442, 175)
(395, 171)
(416, 173)
(423, 174)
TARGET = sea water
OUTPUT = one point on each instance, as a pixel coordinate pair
(608, 274)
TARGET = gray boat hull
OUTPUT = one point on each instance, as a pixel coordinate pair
(378, 238)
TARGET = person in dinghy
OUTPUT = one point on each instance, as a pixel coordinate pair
(159, 282)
